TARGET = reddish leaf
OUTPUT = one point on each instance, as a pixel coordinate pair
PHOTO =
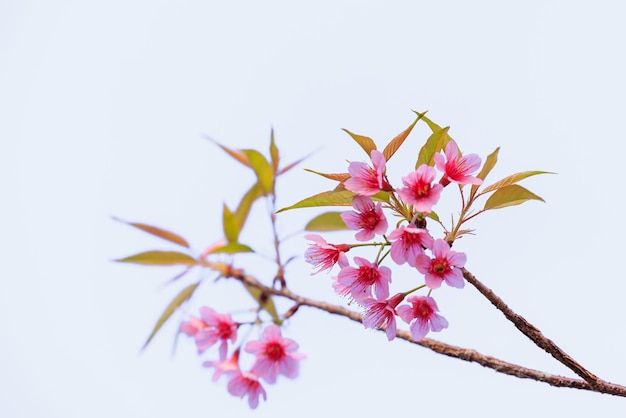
(332, 176)
(237, 155)
(395, 143)
(161, 233)
(366, 143)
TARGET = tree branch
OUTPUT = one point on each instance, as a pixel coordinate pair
(590, 382)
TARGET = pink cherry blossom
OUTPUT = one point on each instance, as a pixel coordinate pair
(444, 266)
(419, 190)
(381, 314)
(323, 255)
(211, 328)
(423, 313)
(368, 218)
(365, 180)
(247, 383)
(457, 168)
(274, 355)
(339, 288)
(225, 367)
(408, 242)
(364, 278)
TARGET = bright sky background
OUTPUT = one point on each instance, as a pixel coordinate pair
(103, 110)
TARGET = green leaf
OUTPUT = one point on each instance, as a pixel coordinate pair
(274, 153)
(381, 196)
(161, 233)
(435, 143)
(183, 296)
(330, 198)
(332, 176)
(232, 247)
(265, 302)
(513, 178)
(366, 143)
(262, 169)
(328, 221)
(241, 214)
(432, 125)
(509, 196)
(490, 162)
(395, 143)
(159, 258)
(433, 215)
(237, 155)
(231, 226)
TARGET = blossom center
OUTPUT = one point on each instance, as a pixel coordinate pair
(274, 351)
(440, 266)
(369, 220)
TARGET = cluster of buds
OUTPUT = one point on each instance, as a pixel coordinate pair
(274, 354)
(368, 282)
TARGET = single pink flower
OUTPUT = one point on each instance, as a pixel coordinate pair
(365, 180)
(225, 367)
(247, 383)
(364, 278)
(424, 316)
(457, 168)
(339, 288)
(368, 218)
(419, 190)
(193, 326)
(444, 266)
(274, 355)
(408, 242)
(323, 255)
(211, 328)
(381, 314)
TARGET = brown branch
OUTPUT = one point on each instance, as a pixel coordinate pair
(466, 354)
(533, 332)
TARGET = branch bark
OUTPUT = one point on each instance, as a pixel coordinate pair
(588, 382)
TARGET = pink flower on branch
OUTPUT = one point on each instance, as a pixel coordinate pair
(323, 255)
(274, 355)
(408, 242)
(368, 218)
(247, 384)
(211, 328)
(365, 180)
(382, 314)
(457, 168)
(419, 190)
(422, 316)
(225, 367)
(362, 279)
(444, 266)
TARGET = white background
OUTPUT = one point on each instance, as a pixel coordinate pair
(103, 108)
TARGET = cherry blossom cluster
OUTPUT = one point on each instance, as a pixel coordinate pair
(368, 282)
(274, 354)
